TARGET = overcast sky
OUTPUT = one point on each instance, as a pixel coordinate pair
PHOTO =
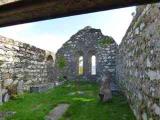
(51, 34)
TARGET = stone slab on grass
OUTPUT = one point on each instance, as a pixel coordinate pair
(44, 87)
(57, 112)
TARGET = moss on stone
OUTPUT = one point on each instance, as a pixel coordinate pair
(1, 62)
(61, 62)
(106, 41)
(137, 24)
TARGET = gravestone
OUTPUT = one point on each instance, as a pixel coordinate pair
(5, 114)
(39, 88)
(20, 87)
(57, 112)
(6, 97)
(105, 93)
(0, 95)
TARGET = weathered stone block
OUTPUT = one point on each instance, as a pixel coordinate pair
(7, 82)
(20, 87)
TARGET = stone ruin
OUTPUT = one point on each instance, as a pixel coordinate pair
(137, 60)
(21, 66)
(138, 63)
(86, 43)
(134, 64)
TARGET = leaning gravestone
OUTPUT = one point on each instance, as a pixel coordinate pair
(1, 95)
(105, 93)
(20, 87)
(6, 97)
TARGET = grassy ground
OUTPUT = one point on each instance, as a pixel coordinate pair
(84, 105)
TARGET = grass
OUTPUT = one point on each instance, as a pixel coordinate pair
(84, 105)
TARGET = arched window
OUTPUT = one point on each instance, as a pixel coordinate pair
(80, 65)
(93, 65)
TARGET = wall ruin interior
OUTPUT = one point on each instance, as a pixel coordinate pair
(134, 64)
(20, 61)
(87, 43)
(138, 63)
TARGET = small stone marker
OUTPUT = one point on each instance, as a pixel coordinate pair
(1, 97)
(6, 97)
(57, 112)
(39, 88)
(20, 87)
(6, 114)
(44, 87)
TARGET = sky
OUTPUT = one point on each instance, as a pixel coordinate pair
(51, 34)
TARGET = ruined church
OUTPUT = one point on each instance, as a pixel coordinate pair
(134, 64)
(86, 45)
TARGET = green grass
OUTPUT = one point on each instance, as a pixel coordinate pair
(84, 106)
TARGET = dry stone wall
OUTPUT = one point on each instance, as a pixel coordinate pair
(21, 63)
(87, 42)
(138, 63)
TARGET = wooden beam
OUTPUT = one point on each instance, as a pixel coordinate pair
(24, 11)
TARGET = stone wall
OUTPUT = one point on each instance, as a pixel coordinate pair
(138, 63)
(22, 62)
(87, 42)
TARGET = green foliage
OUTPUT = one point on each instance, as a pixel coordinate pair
(1, 62)
(84, 104)
(137, 23)
(105, 42)
(61, 62)
(80, 70)
(61, 78)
